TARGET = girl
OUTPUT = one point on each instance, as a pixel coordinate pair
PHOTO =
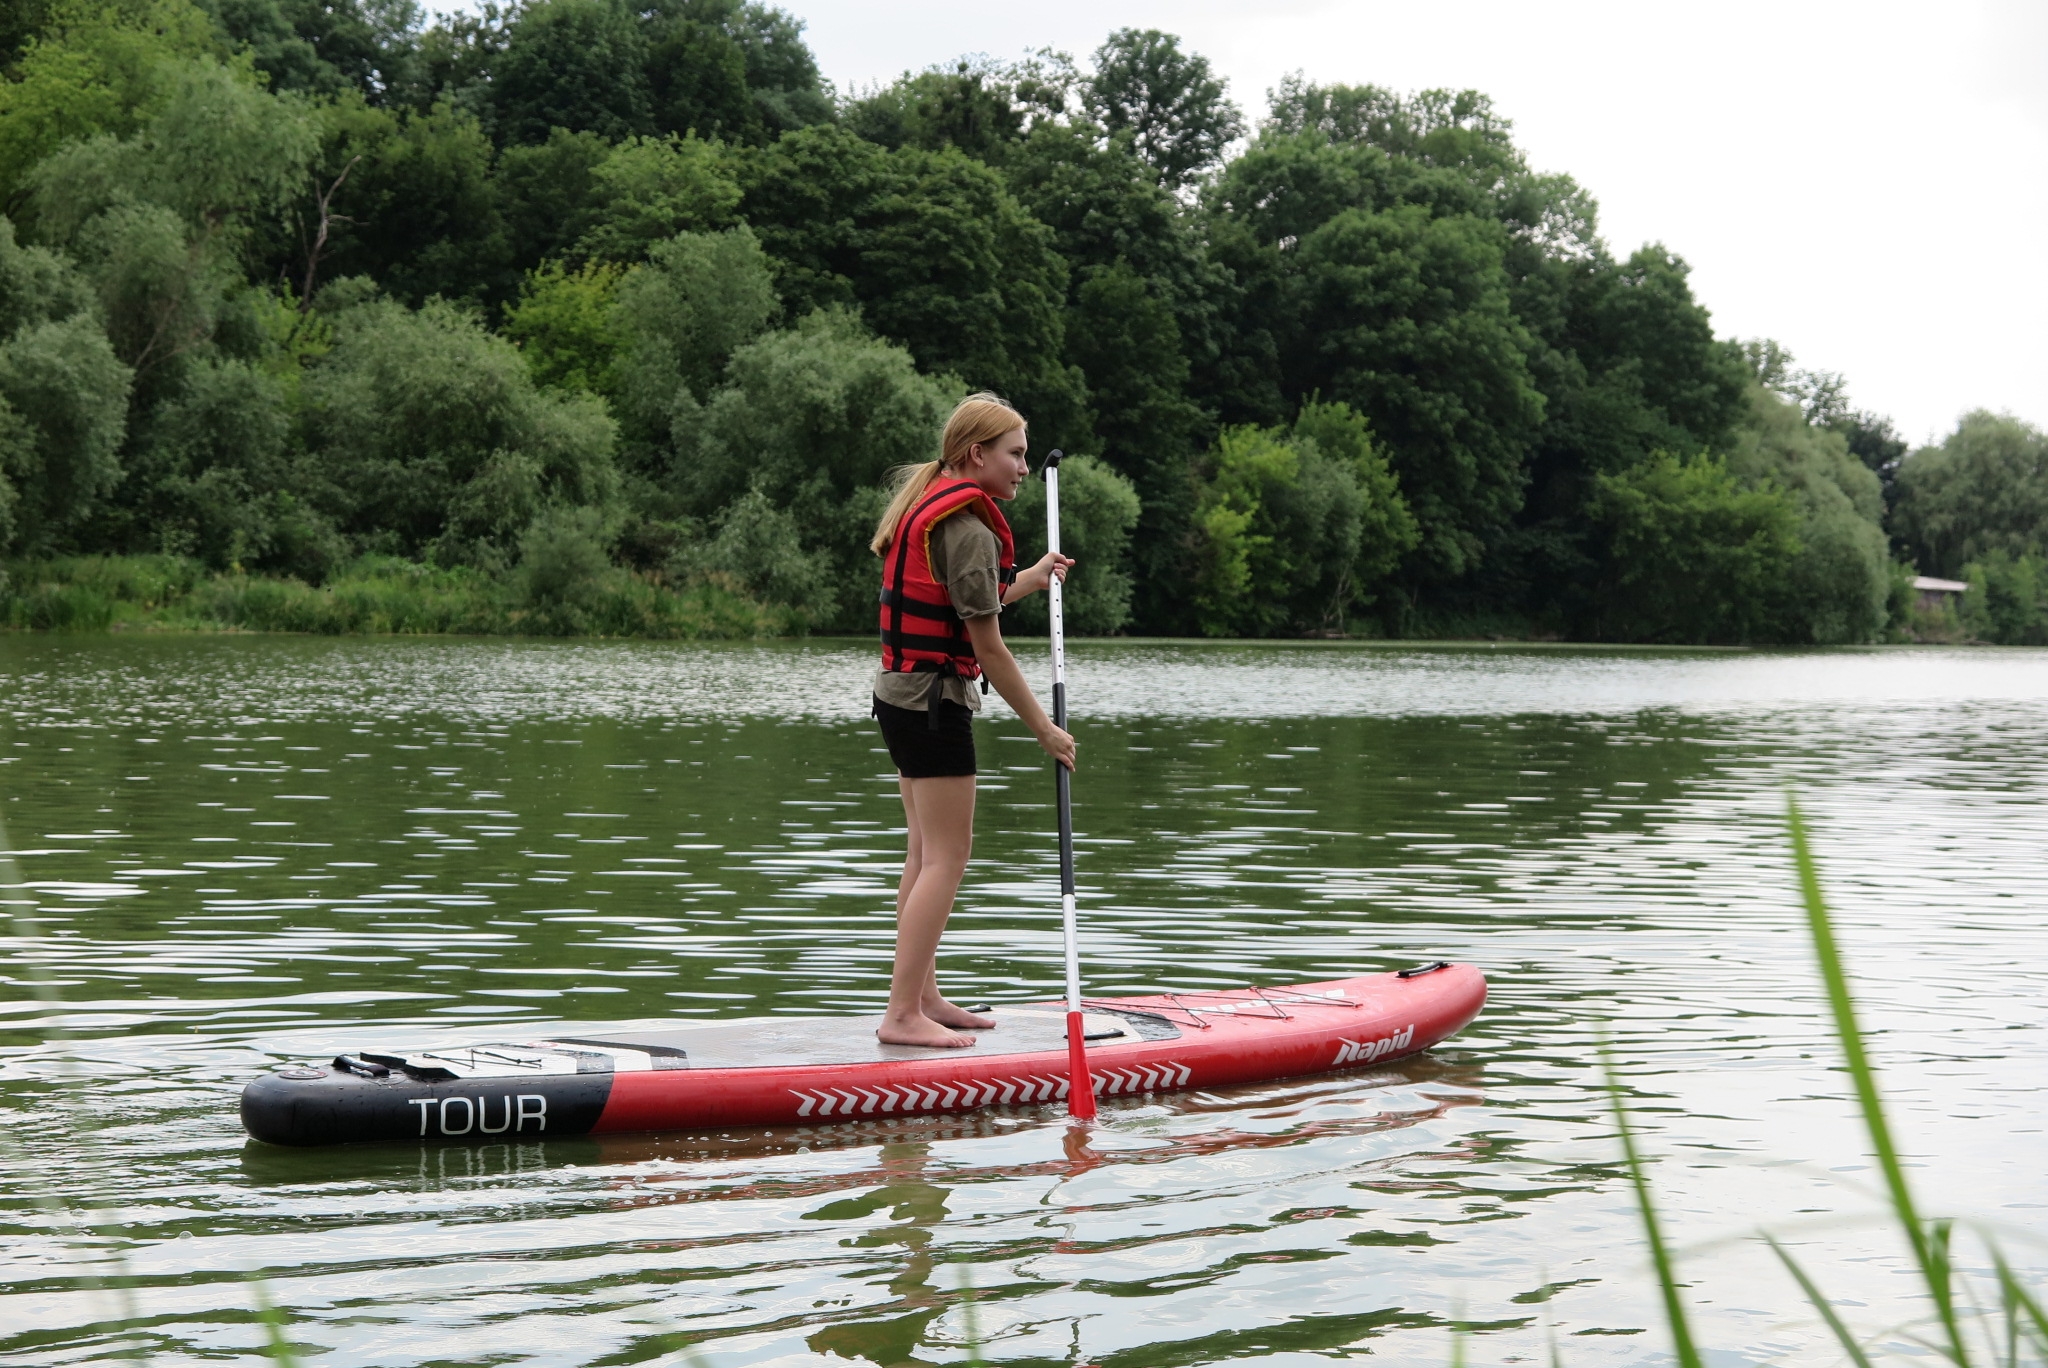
(948, 567)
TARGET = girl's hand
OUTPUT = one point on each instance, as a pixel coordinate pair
(1037, 577)
(1058, 744)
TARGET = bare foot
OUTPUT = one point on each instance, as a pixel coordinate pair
(919, 1030)
(946, 1014)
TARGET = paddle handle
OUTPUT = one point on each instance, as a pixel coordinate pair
(1080, 1087)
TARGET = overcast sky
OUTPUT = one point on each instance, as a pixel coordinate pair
(1865, 182)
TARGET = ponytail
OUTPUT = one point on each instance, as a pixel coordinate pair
(911, 482)
(977, 419)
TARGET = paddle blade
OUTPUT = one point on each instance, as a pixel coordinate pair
(1080, 1087)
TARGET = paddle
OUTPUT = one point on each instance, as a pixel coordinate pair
(1080, 1088)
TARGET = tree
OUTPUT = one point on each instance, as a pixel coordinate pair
(814, 418)
(1294, 526)
(566, 325)
(63, 400)
(90, 69)
(1123, 336)
(328, 47)
(549, 195)
(215, 474)
(1406, 318)
(1169, 103)
(650, 189)
(437, 440)
(935, 253)
(413, 204)
(1691, 555)
(697, 77)
(2007, 602)
(1628, 365)
(1444, 128)
(1838, 585)
(161, 220)
(1387, 530)
(1098, 514)
(981, 107)
(679, 319)
(574, 64)
(1984, 490)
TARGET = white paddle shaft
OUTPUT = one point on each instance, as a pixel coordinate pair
(1080, 1086)
(1059, 717)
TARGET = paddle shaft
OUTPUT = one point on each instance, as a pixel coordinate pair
(1080, 1087)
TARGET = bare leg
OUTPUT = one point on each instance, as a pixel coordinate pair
(932, 1001)
(940, 814)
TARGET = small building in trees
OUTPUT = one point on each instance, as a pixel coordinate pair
(1938, 595)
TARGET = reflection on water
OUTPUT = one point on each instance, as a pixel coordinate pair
(250, 850)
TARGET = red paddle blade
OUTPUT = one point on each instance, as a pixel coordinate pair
(1080, 1087)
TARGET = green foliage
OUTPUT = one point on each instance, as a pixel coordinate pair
(413, 204)
(566, 324)
(1387, 530)
(2007, 602)
(219, 153)
(1098, 513)
(1122, 333)
(1457, 129)
(329, 47)
(564, 563)
(971, 105)
(1983, 490)
(92, 69)
(1692, 555)
(574, 64)
(1839, 584)
(936, 254)
(680, 317)
(549, 194)
(758, 551)
(1407, 318)
(160, 221)
(1168, 103)
(377, 594)
(63, 400)
(1295, 527)
(813, 419)
(650, 189)
(275, 237)
(436, 440)
(216, 476)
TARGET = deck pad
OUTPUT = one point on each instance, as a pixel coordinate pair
(780, 1042)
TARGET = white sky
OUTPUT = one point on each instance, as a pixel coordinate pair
(1865, 182)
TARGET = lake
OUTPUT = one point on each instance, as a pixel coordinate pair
(244, 851)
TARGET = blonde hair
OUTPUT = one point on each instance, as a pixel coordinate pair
(979, 418)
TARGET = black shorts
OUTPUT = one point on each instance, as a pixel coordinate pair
(928, 745)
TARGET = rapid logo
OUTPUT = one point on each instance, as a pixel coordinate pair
(1365, 1051)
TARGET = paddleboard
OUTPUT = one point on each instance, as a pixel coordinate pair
(777, 1071)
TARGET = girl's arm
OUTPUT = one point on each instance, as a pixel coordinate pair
(1001, 670)
(1033, 578)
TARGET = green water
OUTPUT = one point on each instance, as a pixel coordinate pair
(243, 851)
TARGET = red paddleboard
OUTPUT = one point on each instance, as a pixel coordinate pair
(770, 1071)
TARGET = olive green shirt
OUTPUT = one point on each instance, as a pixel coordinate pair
(964, 559)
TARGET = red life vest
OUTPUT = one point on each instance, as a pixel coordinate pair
(920, 631)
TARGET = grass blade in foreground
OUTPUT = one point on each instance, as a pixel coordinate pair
(1660, 1253)
(1821, 1304)
(1928, 1253)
